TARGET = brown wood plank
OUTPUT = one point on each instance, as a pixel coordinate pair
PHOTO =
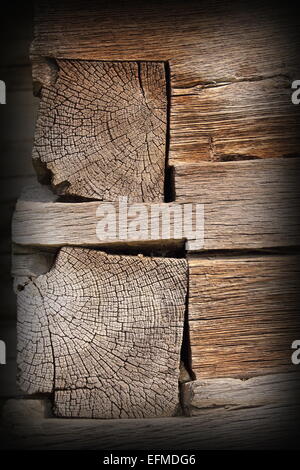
(243, 314)
(249, 204)
(203, 41)
(104, 333)
(231, 67)
(26, 425)
(234, 121)
(101, 129)
(231, 394)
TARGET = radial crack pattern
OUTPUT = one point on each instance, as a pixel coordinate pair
(104, 333)
(101, 130)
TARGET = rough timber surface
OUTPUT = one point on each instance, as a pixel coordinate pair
(234, 121)
(276, 389)
(27, 425)
(101, 129)
(103, 333)
(247, 205)
(243, 314)
(231, 66)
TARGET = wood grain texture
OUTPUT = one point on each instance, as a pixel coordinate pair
(203, 41)
(231, 67)
(249, 204)
(239, 394)
(103, 333)
(26, 425)
(243, 314)
(101, 129)
(234, 121)
(41, 220)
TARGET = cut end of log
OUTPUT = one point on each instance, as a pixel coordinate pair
(103, 333)
(101, 129)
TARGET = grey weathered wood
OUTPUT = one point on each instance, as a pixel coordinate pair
(41, 220)
(231, 67)
(234, 121)
(276, 389)
(250, 204)
(243, 314)
(103, 333)
(27, 425)
(101, 129)
(203, 41)
(247, 204)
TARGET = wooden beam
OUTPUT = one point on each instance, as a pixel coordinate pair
(101, 129)
(234, 121)
(265, 427)
(243, 314)
(104, 333)
(204, 41)
(276, 389)
(247, 204)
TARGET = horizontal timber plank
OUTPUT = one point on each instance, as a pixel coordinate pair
(247, 204)
(195, 37)
(251, 119)
(27, 425)
(243, 314)
(235, 393)
(41, 220)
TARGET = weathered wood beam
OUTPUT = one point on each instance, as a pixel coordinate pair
(103, 333)
(234, 121)
(27, 425)
(247, 205)
(231, 394)
(204, 41)
(243, 314)
(101, 129)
